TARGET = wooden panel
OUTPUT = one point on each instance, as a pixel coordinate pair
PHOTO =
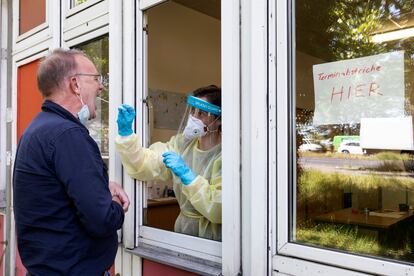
(155, 269)
(29, 99)
(32, 13)
(161, 213)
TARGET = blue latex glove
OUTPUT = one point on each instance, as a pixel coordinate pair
(174, 162)
(126, 115)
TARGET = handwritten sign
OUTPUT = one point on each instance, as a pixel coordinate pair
(368, 87)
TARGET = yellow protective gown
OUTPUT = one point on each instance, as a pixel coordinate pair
(200, 201)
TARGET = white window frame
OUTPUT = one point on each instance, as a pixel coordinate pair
(38, 34)
(69, 11)
(286, 254)
(86, 18)
(254, 114)
(3, 90)
(226, 252)
(36, 29)
(122, 48)
(146, 4)
(86, 37)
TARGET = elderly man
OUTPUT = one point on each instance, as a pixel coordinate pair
(66, 210)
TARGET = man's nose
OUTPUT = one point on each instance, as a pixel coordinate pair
(101, 87)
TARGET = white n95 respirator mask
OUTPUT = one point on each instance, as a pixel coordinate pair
(195, 128)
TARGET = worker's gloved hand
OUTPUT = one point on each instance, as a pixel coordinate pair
(174, 162)
(126, 115)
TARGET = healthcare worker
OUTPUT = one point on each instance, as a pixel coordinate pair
(191, 159)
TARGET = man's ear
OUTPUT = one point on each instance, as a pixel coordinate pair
(74, 84)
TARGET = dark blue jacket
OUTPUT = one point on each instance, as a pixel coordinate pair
(66, 220)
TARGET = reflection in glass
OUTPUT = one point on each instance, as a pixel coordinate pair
(97, 51)
(353, 118)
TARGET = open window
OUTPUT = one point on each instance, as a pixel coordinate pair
(183, 55)
(345, 87)
(182, 52)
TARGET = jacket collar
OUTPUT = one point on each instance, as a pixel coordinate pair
(49, 106)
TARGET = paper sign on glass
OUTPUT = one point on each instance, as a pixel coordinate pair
(368, 87)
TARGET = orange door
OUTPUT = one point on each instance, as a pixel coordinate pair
(29, 101)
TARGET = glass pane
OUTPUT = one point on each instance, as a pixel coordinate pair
(32, 13)
(97, 51)
(353, 104)
(74, 3)
(183, 55)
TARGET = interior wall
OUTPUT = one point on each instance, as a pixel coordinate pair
(184, 52)
(183, 48)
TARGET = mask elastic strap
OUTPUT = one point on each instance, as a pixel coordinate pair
(80, 98)
(78, 94)
(208, 127)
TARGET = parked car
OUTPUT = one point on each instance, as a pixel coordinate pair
(352, 147)
(308, 146)
(338, 139)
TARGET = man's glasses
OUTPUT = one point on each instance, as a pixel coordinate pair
(98, 77)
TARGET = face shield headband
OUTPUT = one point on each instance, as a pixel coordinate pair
(203, 105)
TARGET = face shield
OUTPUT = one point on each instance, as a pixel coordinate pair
(200, 118)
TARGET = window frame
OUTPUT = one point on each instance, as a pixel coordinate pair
(86, 37)
(35, 30)
(254, 137)
(41, 35)
(4, 111)
(86, 18)
(69, 11)
(285, 254)
(230, 68)
(146, 4)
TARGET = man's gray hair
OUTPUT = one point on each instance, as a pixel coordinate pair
(55, 68)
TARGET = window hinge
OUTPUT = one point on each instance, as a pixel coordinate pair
(9, 115)
(9, 158)
(145, 29)
(148, 101)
